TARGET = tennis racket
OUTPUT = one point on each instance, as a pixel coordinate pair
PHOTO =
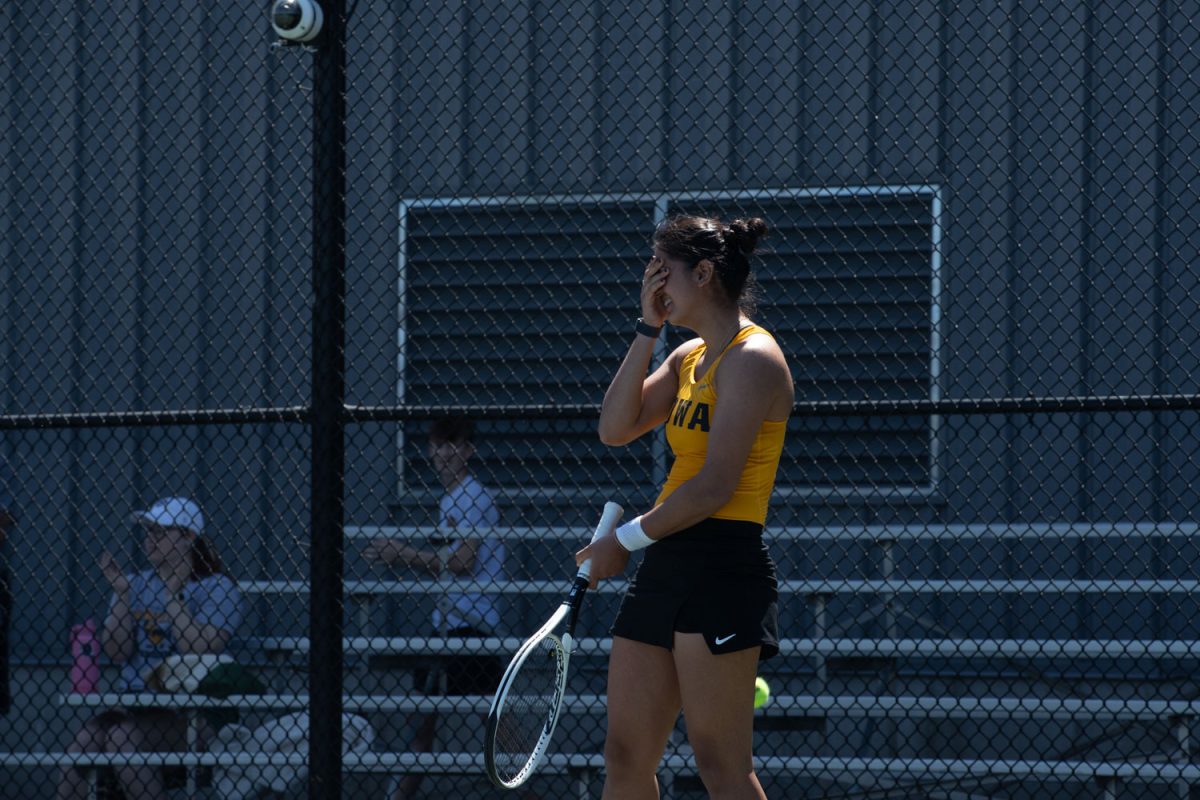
(529, 697)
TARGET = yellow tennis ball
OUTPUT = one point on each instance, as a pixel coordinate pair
(762, 692)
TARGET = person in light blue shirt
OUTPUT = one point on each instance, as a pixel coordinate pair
(212, 601)
(464, 508)
(183, 604)
(465, 512)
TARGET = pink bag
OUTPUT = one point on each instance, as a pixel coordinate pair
(85, 652)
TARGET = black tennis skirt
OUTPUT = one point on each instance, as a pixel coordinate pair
(715, 578)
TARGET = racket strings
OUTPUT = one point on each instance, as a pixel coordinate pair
(529, 708)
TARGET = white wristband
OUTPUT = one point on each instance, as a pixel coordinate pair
(632, 537)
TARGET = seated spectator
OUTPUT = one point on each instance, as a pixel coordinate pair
(466, 507)
(183, 604)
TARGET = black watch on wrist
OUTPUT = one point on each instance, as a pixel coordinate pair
(647, 330)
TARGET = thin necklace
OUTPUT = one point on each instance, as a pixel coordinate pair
(741, 326)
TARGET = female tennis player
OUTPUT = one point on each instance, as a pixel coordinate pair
(702, 609)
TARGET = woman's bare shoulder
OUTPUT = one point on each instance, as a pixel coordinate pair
(758, 364)
(684, 350)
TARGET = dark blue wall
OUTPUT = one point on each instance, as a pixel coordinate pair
(156, 233)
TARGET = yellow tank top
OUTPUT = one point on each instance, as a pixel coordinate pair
(687, 433)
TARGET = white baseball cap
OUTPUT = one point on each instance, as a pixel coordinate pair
(173, 512)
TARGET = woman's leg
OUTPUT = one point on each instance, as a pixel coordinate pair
(643, 704)
(73, 782)
(718, 705)
(406, 785)
(158, 732)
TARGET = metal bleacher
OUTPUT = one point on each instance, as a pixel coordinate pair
(865, 657)
(895, 677)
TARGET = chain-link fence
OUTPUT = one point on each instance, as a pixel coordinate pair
(981, 269)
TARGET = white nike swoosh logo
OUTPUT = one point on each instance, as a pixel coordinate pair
(722, 640)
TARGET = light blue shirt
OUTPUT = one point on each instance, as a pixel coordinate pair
(468, 507)
(214, 600)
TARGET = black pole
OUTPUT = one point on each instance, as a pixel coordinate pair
(328, 399)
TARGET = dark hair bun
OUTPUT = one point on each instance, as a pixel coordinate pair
(743, 234)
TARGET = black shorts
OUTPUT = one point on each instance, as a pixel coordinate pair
(463, 674)
(714, 578)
